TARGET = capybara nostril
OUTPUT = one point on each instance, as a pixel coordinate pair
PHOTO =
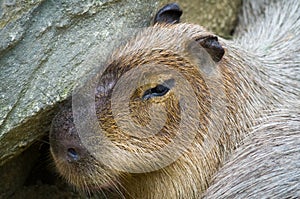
(72, 154)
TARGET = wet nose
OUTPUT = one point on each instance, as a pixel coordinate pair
(64, 140)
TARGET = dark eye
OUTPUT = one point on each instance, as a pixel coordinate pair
(159, 90)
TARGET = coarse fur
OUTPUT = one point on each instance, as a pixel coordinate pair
(258, 73)
(267, 164)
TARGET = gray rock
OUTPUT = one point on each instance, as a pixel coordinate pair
(42, 46)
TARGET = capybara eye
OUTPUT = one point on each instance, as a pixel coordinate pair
(159, 90)
(72, 154)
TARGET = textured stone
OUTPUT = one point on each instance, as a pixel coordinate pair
(42, 46)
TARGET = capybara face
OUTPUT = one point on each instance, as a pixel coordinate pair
(139, 104)
(151, 112)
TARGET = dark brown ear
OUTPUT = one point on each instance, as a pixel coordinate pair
(170, 14)
(212, 46)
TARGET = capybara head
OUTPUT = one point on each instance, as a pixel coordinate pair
(153, 119)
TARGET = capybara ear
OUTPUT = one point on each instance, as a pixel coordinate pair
(212, 46)
(169, 14)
